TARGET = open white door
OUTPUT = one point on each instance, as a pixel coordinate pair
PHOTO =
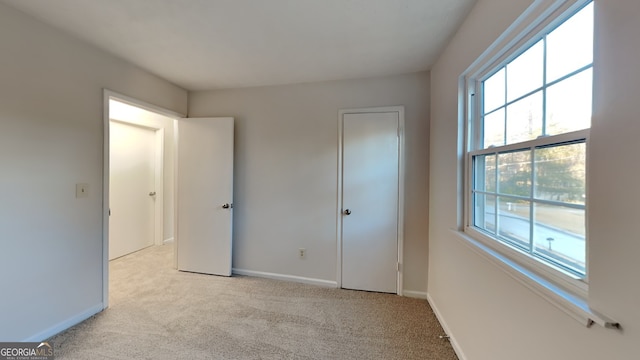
(205, 195)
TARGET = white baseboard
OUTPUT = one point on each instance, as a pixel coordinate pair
(414, 294)
(64, 325)
(292, 278)
(452, 339)
(167, 241)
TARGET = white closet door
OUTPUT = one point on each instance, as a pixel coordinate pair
(370, 186)
(131, 180)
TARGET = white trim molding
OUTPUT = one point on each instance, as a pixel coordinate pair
(285, 277)
(64, 325)
(109, 94)
(168, 241)
(415, 294)
(574, 306)
(445, 327)
(106, 96)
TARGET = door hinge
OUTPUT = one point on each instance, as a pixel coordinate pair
(399, 267)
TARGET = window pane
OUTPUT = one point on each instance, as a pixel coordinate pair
(524, 73)
(559, 235)
(524, 119)
(514, 173)
(485, 212)
(570, 46)
(494, 91)
(514, 221)
(569, 104)
(485, 173)
(494, 129)
(560, 173)
(528, 192)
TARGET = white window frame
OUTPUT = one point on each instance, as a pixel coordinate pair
(561, 288)
(557, 274)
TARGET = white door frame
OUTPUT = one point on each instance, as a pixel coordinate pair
(112, 95)
(401, 170)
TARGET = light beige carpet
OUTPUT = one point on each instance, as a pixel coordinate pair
(157, 312)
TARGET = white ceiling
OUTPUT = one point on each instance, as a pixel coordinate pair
(213, 44)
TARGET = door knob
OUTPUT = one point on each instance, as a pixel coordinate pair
(347, 212)
(153, 193)
(227, 206)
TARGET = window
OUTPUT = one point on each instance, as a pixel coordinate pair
(529, 132)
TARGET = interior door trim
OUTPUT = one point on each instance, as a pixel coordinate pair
(401, 176)
(106, 96)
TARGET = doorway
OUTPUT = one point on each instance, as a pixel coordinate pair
(370, 199)
(143, 118)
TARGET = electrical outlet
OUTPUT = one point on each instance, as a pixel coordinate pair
(302, 252)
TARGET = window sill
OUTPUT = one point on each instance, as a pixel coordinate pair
(572, 305)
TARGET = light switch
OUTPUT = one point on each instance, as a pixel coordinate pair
(82, 190)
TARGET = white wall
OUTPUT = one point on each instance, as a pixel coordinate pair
(286, 170)
(51, 135)
(490, 315)
(134, 115)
